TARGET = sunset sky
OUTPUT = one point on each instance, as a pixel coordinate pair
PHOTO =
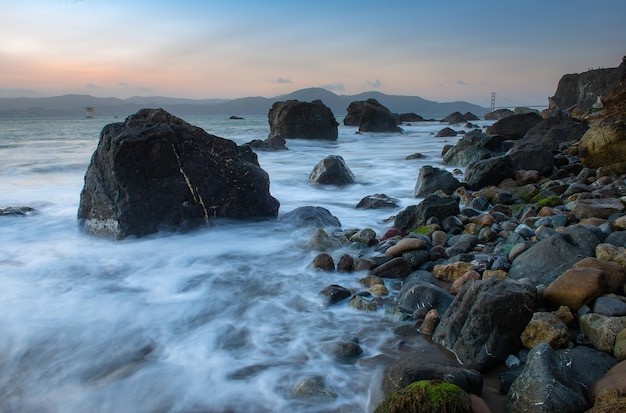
(440, 50)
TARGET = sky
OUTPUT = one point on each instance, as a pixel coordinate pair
(441, 50)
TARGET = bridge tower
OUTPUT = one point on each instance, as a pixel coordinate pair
(493, 101)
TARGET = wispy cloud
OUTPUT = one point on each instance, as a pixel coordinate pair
(93, 86)
(282, 80)
(462, 83)
(375, 84)
(339, 87)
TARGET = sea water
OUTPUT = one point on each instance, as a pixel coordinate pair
(222, 319)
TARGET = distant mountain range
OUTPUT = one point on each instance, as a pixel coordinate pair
(74, 105)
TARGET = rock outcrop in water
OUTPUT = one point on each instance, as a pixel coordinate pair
(293, 119)
(371, 116)
(157, 172)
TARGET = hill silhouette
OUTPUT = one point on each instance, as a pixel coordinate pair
(74, 105)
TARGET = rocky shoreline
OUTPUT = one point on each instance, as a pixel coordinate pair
(517, 271)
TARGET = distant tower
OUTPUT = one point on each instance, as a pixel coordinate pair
(89, 112)
(493, 101)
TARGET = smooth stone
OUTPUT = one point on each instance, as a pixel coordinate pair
(334, 293)
(395, 268)
(469, 276)
(609, 307)
(361, 304)
(323, 262)
(576, 287)
(431, 320)
(404, 245)
(615, 274)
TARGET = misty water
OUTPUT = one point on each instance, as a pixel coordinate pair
(224, 319)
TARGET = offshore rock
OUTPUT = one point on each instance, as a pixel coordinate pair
(311, 216)
(377, 201)
(474, 146)
(293, 119)
(331, 170)
(515, 126)
(371, 116)
(483, 324)
(157, 172)
(492, 171)
(432, 179)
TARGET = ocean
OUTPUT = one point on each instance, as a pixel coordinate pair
(221, 319)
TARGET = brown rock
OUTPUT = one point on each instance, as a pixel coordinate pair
(450, 272)
(610, 252)
(576, 287)
(597, 208)
(545, 328)
(609, 400)
(404, 245)
(323, 262)
(459, 282)
(501, 274)
(431, 320)
(379, 290)
(564, 314)
(483, 220)
(620, 345)
(615, 378)
(615, 274)
(346, 263)
(602, 330)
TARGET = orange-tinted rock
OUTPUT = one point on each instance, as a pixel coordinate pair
(404, 245)
(576, 287)
(459, 282)
(615, 274)
(450, 272)
(615, 378)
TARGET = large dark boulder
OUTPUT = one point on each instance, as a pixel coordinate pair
(546, 260)
(371, 116)
(547, 381)
(514, 126)
(474, 146)
(415, 216)
(498, 114)
(492, 171)
(311, 216)
(535, 150)
(293, 119)
(416, 294)
(157, 172)
(430, 363)
(483, 324)
(432, 179)
(331, 170)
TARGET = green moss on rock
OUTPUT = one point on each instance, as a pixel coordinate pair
(427, 396)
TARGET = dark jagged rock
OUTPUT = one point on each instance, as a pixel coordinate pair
(430, 363)
(275, 143)
(331, 170)
(455, 118)
(445, 133)
(411, 117)
(498, 114)
(415, 216)
(546, 381)
(545, 261)
(157, 172)
(535, 150)
(311, 216)
(422, 294)
(490, 171)
(377, 201)
(16, 211)
(293, 119)
(371, 116)
(515, 126)
(432, 179)
(483, 324)
(334, 293)
(474, 146)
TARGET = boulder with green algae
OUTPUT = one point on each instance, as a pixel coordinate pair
(427, 396)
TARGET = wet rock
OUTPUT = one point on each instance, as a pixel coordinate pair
(490, 171)
(155, 171)
(429, 363)
(313, 387)
(548, 259)
(323, 262)
(16, 211)
(394, 268)
(331, 170)
(311, 216)
(322, 241)
(595, 208)
(432, 179)
(415, 216)
(474, 146)
(361, 304)
(483, 324)
(422, 294)
(576, 287)
(610, 307)
(293, 119)
(446, 132)
(609, 400)
(515, 126)
(365, 236)
(379, 290)
(335, 293)
(545, 328)
(371, 116)
(275, 143)
(546, 381)
(602, 330)
(498, 114)
(344, 351)
(377, 201)
(431, 320)
(458, 284)
(405, 245)
(346, 263)
(427, 396)
(453, 271)
(610, 252)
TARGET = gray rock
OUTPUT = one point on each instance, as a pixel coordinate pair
(546, 260)
(331, 170)
(492, 171)
(377, 201)
(293, 119)
(155, 172)
(483, 324)
(610, 307)
(311, 216)
(334, 293)
(432, 179)
(546, 385)
(415, 216)
(422, 294)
